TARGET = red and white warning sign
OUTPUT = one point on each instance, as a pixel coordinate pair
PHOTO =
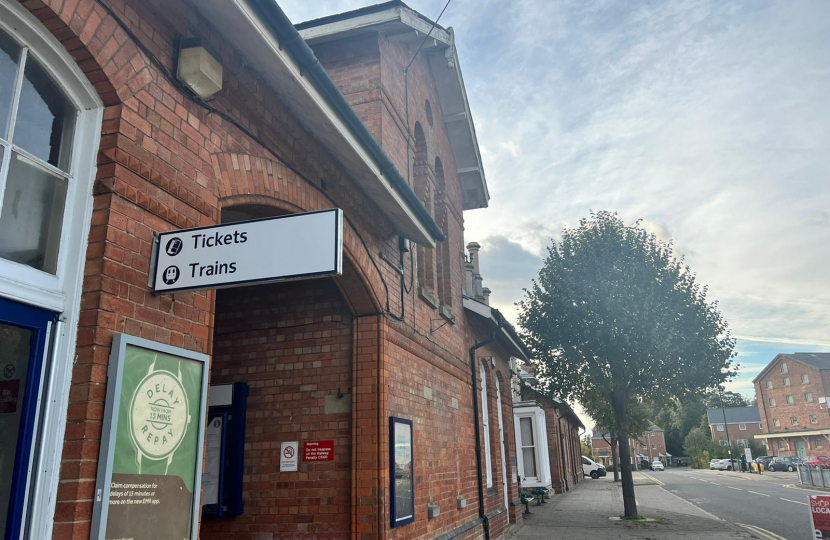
(318, 451)
(9, 392)
(820, 516)
(289, 456)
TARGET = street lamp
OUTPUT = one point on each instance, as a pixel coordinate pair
(726, 427)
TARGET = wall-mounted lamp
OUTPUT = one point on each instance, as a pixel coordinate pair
(198, 68)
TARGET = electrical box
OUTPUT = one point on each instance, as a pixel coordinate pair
(224, 451)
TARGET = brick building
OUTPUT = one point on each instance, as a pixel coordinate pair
(792, 395)
(548, 435)
(651, 446)
(107, 140)
(740, 425)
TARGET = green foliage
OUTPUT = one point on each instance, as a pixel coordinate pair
(613, 316)
(696, 444)
(730, 399)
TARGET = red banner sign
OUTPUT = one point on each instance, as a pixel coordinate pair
(9, 390)
(820, 514)
(318, 451)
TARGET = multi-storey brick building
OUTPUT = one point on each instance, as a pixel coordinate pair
(792, 400)
(651, 446)
(739, 426)
(107, 140)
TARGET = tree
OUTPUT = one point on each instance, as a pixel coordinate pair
(586, 445)
(614, 316)
(696, 445)
(730, 399)
(636, 426)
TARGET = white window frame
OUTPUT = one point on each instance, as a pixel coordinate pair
(720, 427)
(790, 400)
(772, 402)
(808, 397)
(784, 367)
(742, 427)
(60, 292)
(485, 422)
(813, 419)
(805, 378)
(787, 381)
(776, 422)
(743, 442)
(503, 445)
(769, 385)
(794, 420)
(540, 438)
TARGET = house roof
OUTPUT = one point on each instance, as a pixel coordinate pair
(398, 22)
(820, 361)
(507, 335)
(734, 415)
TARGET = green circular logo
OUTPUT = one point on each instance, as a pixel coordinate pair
(158, 415)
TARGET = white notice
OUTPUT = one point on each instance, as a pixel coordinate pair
(213, 461)
(289, 456)
(296, 246)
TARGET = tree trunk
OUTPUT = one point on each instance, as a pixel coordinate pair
(620, 402)
(614, 460)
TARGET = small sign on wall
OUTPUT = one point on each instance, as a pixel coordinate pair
(318, 451)
(289, 456)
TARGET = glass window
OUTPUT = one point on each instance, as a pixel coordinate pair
(786, 381)
(808, 397)
(819, 443)
(403, 494)
(37, 124)
(485, 420)
(772, 402)
(720, 427)
(780, 445)
(769, 385)
(784, 367)
(776, 422)
(9, 62)
(528, 447)
(742, 427)
(813, 419)
(805, 379)
(790, 400)
(794, 420)
(45, 118)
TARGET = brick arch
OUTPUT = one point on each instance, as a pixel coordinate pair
(111, 61)
(363, 293)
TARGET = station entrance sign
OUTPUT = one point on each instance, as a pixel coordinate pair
(296, 246)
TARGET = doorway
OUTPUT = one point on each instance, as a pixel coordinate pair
(23, 341)
(801, 449)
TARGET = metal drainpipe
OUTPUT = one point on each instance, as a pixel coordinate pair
(474, 372)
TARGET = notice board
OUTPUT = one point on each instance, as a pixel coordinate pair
(149, 468)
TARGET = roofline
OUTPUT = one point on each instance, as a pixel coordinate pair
(364, 20)
(494, 316)
(788, 357)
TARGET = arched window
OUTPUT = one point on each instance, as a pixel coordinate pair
(424, 187)
(50, 122)
(444, 261)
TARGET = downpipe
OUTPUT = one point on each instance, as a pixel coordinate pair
(474, 373)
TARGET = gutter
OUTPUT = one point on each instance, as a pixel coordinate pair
(289, 38)
(474, 372)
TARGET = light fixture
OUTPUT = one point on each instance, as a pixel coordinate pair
(198, 68)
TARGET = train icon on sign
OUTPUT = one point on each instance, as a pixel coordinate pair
(174, 246)
(171, 275)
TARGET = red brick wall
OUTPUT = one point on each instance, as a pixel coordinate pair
(801, 409)
(735, 432)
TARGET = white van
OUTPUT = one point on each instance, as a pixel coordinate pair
(592, 468)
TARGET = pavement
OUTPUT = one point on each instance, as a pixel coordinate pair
(592, 508)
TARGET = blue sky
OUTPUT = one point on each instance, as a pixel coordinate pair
(708, 120)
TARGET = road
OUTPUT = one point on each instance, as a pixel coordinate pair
(745, 499)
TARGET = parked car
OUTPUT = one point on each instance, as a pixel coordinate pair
(592, 468)
(786, 463)
(713, 464)
(657, 465)
(818, 461)
(725, 465)
(764, 461)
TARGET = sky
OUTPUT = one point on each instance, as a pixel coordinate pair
(708, 120)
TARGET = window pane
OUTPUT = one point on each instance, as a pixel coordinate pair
(32, 215)
(9, 59)
(529, 460)
(526, 425)
(45, 118)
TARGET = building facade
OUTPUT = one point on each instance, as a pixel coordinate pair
(740, 425)
(651, 446)
(108, 140)
(792, 395)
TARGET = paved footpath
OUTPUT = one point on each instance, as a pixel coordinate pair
(583, 514)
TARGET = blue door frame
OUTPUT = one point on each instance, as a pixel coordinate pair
(37, 320)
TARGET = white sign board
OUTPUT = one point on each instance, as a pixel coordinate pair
(296, 246)
(213, 461)
(748, 453)
(289, 456)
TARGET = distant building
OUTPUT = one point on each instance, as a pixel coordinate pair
(740, 425)
(792, 401)
(651, 446)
